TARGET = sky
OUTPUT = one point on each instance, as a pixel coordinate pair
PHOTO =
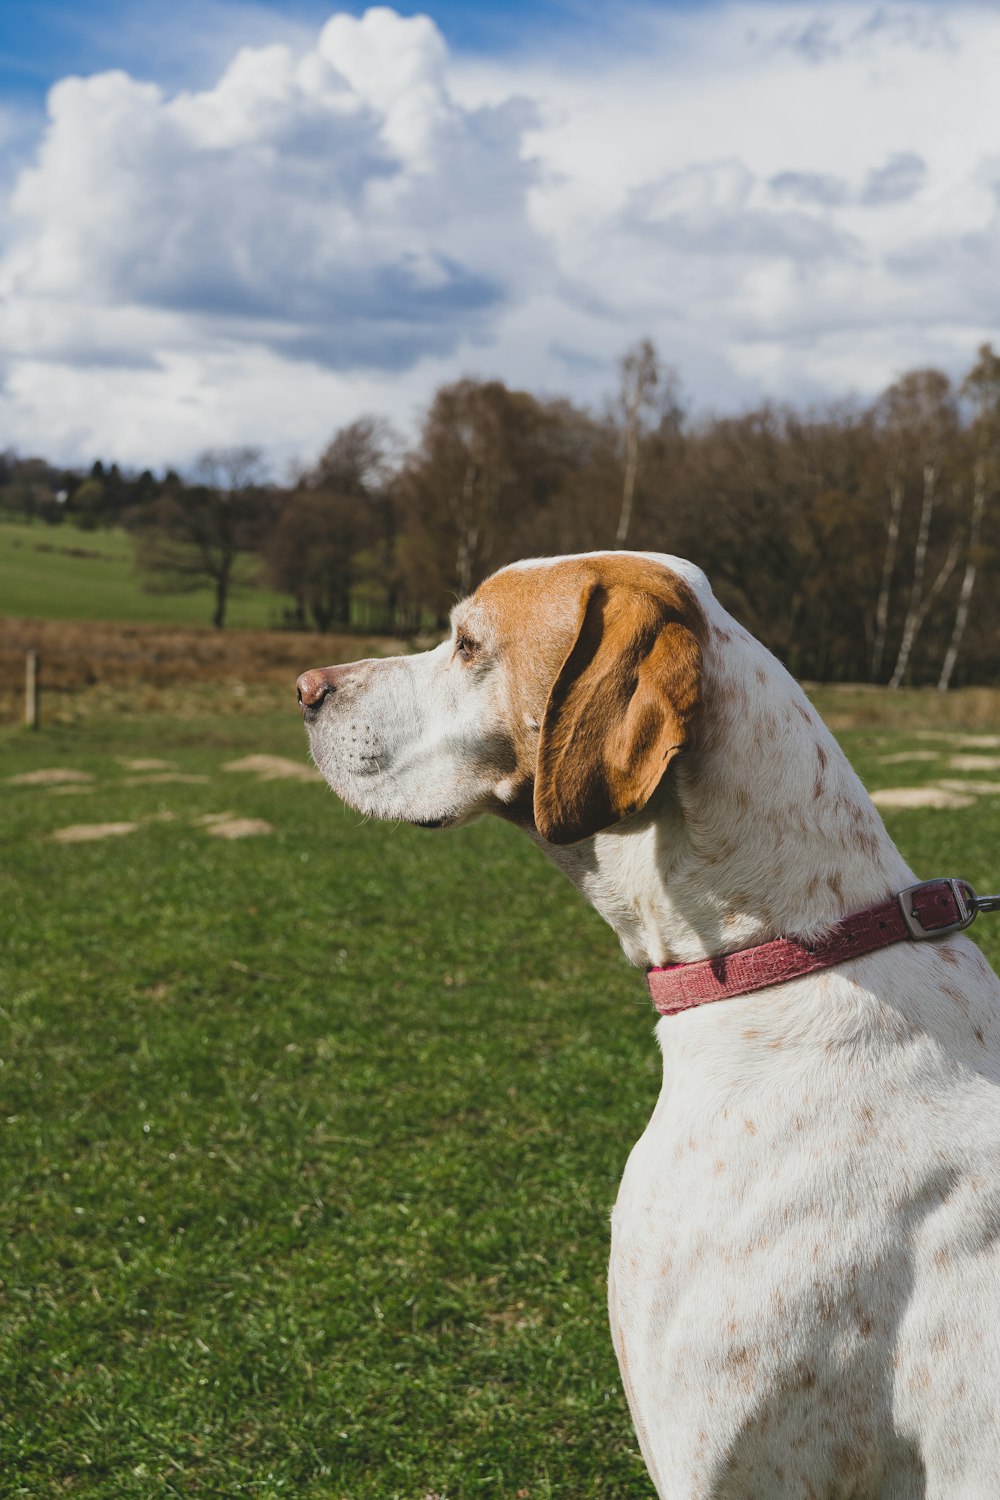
(227, 223)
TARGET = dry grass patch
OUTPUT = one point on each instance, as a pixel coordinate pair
(273, 768)
(89, 665)
(86, 833)
(162, 778)
(925, 711)
(920, 796)
(239, 828)
(50, 776)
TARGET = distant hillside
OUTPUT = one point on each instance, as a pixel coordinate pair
(61, 573)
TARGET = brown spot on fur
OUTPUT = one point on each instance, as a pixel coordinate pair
(835, 885)
(948, 953)
(979, 1036)
(749, 1127)
(741, 1362)
(956, 997)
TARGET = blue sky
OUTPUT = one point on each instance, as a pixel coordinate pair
(185, 43)
(227, 222)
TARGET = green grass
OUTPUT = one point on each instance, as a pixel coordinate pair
(61, 573)
(310, 1139)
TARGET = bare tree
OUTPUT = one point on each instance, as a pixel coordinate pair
(924, 417)
(896, 485)
(645, 393)
(312, 552)
(192, 535)
(464, 478)
(982, 385)
(359, 459)
(341, 512)
(231, 471)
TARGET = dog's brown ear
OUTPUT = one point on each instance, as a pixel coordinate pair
(623, 703)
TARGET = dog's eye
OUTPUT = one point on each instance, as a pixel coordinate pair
(465, 647)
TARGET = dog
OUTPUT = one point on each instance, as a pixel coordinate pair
(804, 1285)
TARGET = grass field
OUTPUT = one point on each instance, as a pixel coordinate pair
(311, 1135)
(61, 573)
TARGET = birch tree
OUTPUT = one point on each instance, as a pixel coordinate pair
(647, 397)
(896, 486)
(923, 417)
(982, 386)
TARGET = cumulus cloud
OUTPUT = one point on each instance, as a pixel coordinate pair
(902, 177)
(336, 206)
(811, 187)
(340, 225)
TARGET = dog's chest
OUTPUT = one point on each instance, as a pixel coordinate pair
(757, 1276)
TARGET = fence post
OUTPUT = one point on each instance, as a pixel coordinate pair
(32, 688)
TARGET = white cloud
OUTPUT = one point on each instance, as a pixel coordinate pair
(788, 199)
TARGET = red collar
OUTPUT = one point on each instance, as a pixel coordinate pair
(929, 910)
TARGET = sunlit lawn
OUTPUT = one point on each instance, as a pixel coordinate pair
(63, 573)
(311, 1136)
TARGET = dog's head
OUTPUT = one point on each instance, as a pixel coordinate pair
(562, 695)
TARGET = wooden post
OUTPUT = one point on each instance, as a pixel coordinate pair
(32, 687)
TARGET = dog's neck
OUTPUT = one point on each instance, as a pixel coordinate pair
(762, 830)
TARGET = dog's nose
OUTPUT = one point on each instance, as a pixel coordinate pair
(313, 687)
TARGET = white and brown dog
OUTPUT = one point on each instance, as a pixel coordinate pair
(805, 1266)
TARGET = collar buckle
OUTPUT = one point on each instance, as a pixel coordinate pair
(967, 904)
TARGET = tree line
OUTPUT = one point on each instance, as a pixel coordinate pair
(859, 541)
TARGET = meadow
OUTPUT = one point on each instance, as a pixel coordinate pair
(312, 1127)
(63, 573)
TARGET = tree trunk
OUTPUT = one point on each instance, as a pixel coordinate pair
(223, 578)
(968, 580)
(631, 474)
(468, 530)
(897, 491)
(910, 625)
(640, 375)
(914, 622)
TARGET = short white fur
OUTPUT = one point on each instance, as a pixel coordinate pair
(804, 1286)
